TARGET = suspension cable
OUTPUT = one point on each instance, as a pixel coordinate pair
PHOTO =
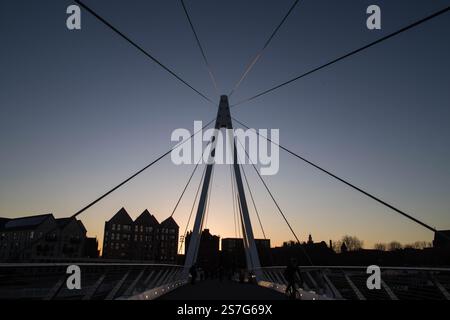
(423, 224)
(253, 200)
(118, 186)
(276, 203)
(260, 53)
(240, 225)
(146, 53)
(184, 190)
(208, 66)
(138, 173)
(188, 182)
(415, 24)
(192, 209)
(208, 200)
(233, 199)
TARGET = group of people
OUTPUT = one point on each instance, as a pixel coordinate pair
(200, 274)
(292, 275)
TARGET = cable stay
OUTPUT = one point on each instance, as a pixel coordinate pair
(188, 182)
(253, 201)
(276, 203)
(208, 201)
(192, 209)
(237, 203)
(384, 203)
(260, 53)
(233, 196)
(139, 172)
(412, 25)
(146, 53)
(202, 51)
(120, 185)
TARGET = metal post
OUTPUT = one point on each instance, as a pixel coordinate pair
(223, 120)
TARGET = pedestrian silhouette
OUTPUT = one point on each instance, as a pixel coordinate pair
(290, 273)
(193, 272)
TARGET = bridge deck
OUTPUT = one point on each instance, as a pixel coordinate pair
(225, 290)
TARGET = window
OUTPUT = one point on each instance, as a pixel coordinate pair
(113, 226)
(112, 236)
(118, 227)
(136, 228)
(142, 228)
(31, 234)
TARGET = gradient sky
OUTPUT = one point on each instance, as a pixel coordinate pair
(80, 111)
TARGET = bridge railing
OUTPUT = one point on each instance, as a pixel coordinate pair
(99, 281)
(351, 282)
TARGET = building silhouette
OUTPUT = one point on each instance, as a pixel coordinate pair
(145, 233)
(42, 237)
(144, 239)
(442, 239)
(234, 254)
(208, 256)
(117, 236)
(91, 248)
(167, 241)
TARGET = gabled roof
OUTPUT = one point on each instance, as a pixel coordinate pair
(121, 217)
(169, 223)
(82, 225)
(146, 218)
(63, 222)
(26, 222)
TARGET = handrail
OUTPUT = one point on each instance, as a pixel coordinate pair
(363, 268)
(62, 264)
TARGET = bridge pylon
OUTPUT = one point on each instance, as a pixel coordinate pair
(223, 121)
